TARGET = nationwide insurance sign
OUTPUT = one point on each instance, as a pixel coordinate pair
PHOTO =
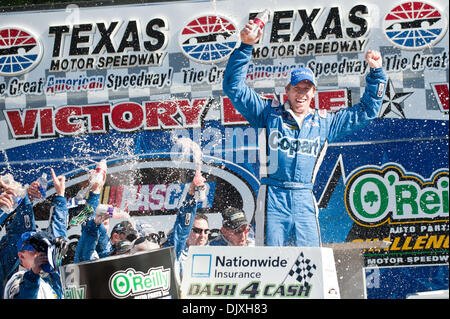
(260, 272)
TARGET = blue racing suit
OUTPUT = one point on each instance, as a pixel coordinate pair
(178, 236)
(23, 222)
(290, 208)
(25, 284)
(94, 237)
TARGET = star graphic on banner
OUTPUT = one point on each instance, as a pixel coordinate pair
(178, 118)
(394, 101)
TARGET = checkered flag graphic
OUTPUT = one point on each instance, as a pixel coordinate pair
(302, 270)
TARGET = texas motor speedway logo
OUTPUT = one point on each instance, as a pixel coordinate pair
(20, 51)
(208, 39)
(415, 25)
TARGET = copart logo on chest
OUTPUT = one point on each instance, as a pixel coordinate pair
(293, 146)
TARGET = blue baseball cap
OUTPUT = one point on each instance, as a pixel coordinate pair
(23, 242)
(300, 74)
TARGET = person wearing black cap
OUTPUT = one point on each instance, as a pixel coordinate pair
(40, 254)
(122, 236)
(235, 229)
(296, 135)
(95, 243)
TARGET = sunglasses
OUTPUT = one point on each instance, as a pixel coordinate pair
(242, 229)
(200, 230)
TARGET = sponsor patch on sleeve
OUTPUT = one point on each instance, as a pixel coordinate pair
(187, 219)
(380, 91)
(275, 103)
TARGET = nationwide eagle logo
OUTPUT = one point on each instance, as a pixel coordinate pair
(20, 51)
(208, 39)
(414, 25)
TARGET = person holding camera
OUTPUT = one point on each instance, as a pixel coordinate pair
(40, 254)
(22, 221)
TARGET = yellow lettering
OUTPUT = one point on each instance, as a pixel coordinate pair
(435, 242)
(419, 242)
(395, 243)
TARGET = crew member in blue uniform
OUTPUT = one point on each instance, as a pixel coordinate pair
(22, 221)
(36, 279)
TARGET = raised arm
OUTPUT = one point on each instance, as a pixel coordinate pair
(58, 223)
(352, 118)
(244, 99)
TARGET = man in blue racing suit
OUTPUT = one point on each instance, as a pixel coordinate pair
(297, 136)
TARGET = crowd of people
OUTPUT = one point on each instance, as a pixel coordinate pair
(28, 271)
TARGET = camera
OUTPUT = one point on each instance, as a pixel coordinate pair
(55, 248)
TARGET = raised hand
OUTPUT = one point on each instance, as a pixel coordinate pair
(6, 198)
(197, 181)
(39, 260)
(59, 182)
(374, 59)
(248, 36)
(33, 190)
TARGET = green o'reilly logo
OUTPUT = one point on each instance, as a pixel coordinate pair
(130, 282)
(375, 195)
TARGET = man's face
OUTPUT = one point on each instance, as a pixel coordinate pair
(118, 237)
(27, 258)
(237, 237)
(199, 233)
(300, 96)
